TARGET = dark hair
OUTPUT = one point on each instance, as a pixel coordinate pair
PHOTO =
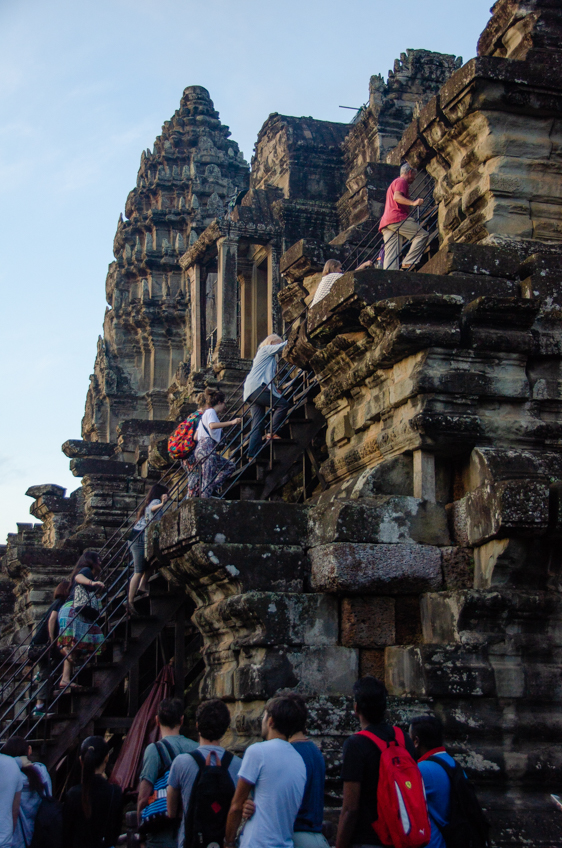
(155, 494)
(62, 591)
(93, 752)
(17, 746)
(89, 559)
(286, 715)
(170, 712)
(215, 397)
(429, 730)
(370, 696)
(212, 719)
(301, 704)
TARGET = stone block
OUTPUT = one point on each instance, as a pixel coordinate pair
(364, 568)
(458, 567)
(144, 427)
(78, 448)
(269, 618)
(330, 670)
(380, 519)
(235, 522)
(438, 671)
(105, 467)
(213, 572)
(512, 506)
(371, 661)
(408, 620)
(45, 490)
(492, 465)
(489, 261)
(367, 622)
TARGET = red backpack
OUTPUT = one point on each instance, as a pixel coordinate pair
(402, 809)
(182, 441)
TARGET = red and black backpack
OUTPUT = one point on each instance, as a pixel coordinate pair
(403, 821)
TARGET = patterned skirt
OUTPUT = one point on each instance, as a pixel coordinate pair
(84, 637)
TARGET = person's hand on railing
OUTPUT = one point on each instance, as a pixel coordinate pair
(97, 584)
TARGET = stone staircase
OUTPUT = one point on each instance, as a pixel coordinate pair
(80, 712)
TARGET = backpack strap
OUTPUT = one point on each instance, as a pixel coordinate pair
(227, 758)
(162, 745)
(450, 770)
(198, 757)
(169, 749)
(380, 743)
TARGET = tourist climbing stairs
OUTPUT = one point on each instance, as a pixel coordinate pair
(106, 688)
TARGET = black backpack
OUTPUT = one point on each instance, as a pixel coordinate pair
(209, 803)
(468, 827)
(47, 832)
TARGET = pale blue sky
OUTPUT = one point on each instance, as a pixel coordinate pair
(84, 87)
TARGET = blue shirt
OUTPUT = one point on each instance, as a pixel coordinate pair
(311, 813)
(438, 792)
(263, 370)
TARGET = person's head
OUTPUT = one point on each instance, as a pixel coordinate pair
(170, 714)
(332, 266)
(212, 719)
(369, 696)
(408, 173)
(89, 559)
(17, 746)
(155, 493)
(303, 710)
(201, 401)
(62, 591)
(282, 717)
(94, 754)
(215, 400)
(426, 732)
(272, 339)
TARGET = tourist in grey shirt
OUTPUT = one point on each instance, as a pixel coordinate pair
(259, 389)
(169, 720)
(212, 721)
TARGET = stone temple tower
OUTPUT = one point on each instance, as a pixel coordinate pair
(182, 186)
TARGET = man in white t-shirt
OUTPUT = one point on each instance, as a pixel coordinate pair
(11, 785)
(276, 773)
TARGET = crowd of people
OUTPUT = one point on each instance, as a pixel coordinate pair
(199, 794)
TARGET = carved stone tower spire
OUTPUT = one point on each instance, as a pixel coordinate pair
(182, 186)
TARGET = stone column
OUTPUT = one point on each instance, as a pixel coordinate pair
(275, 321)
(194, 277)
(227, 348)
(424, 475)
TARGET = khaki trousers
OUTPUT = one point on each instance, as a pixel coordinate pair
(394, 237)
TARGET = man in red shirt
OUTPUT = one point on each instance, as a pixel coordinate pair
(397, 227)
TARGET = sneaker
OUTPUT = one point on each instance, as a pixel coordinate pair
(41, 714)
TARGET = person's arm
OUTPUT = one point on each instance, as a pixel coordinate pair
(52, 625)
(241, 795)
(159, 504)
(218, 425)
(366, 264)
(405, 201)
(145, 791)
(91, 584)
(348, 815)
(16, 808)
(173, 802)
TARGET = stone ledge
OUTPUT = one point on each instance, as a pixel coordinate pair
(386, 569)
(384, 520)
